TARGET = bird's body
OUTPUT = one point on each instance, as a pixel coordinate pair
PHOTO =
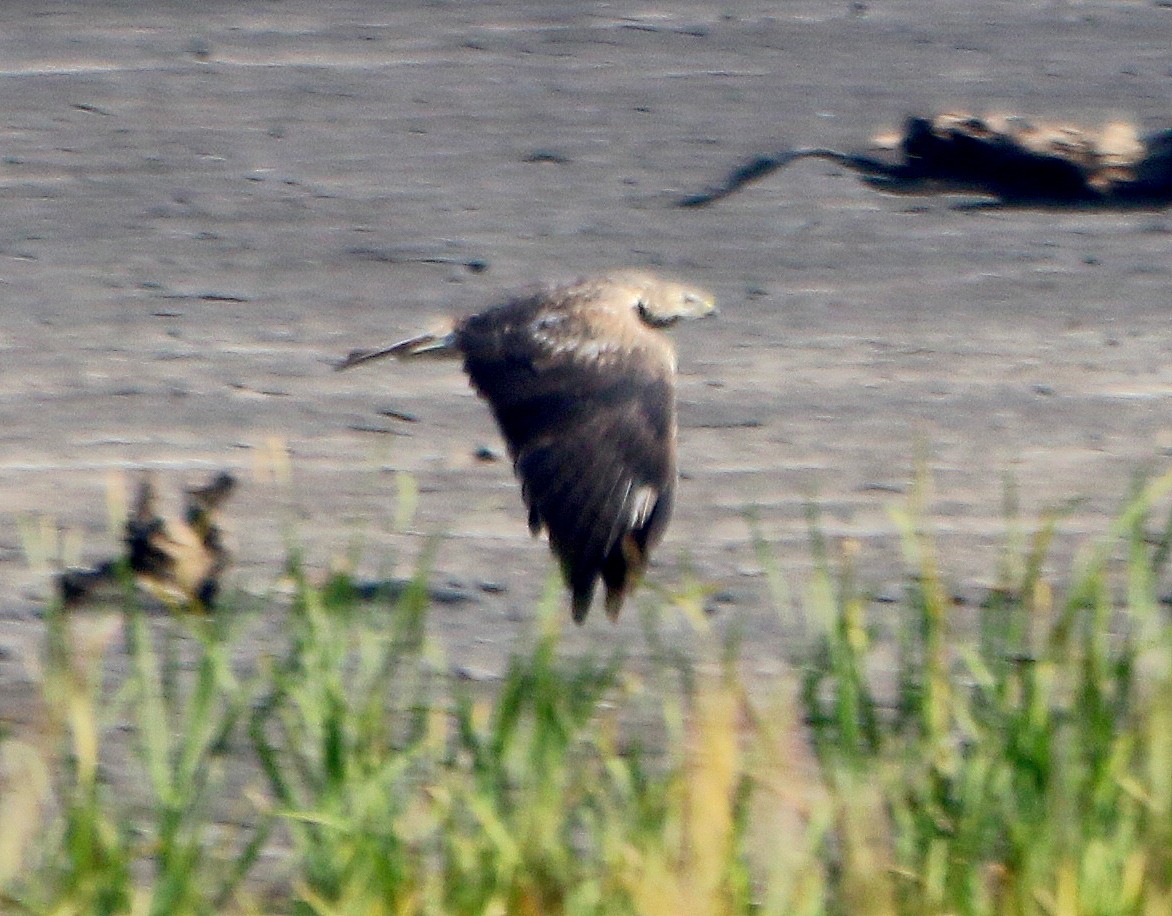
(582, 385)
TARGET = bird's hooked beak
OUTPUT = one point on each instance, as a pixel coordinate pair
(700, 305)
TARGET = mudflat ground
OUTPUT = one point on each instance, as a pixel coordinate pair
(205, 205)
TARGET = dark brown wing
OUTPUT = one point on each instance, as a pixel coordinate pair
(591, 428)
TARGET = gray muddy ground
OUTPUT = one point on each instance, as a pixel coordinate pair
(204, 205)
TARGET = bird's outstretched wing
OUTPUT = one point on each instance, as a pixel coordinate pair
(589, 419)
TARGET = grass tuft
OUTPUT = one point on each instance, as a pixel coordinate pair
(1017, 760)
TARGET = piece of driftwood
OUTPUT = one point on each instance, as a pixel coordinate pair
(1006, 157)
(180, 561)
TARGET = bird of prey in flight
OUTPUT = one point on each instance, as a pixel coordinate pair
(1011, 159)
(581, 381)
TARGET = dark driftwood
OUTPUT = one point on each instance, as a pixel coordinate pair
(1009, 159)
(181, 560)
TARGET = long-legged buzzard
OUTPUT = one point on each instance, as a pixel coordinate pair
(582, 385)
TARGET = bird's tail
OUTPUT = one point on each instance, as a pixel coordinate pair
(432, 343)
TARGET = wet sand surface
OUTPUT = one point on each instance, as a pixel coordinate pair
(206, 206)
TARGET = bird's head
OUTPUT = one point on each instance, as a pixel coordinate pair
(661, 303)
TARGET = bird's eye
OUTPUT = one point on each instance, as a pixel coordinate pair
(649, 316)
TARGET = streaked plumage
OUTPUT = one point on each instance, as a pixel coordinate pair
(1010, 158)
(582, 385)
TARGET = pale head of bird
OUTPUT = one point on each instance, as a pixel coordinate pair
(661, 303)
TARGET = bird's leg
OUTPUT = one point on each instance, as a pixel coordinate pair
(434, 343)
